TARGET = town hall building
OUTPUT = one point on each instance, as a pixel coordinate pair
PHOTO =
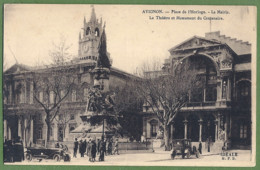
(24, 117)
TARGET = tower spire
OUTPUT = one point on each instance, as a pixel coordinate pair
(93, 15)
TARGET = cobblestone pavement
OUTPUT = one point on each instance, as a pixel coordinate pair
(157, 158)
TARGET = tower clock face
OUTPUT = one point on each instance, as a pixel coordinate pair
(85, 48)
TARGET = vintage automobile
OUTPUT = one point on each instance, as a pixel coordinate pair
(183, 147)
(40, 153)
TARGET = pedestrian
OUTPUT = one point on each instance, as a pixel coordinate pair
(89, 148)
(76, 144)
(102, 150)
(81, 148)
(110, 143)
(84, 147)
(93, 151)
(18, 150)
(98, 146)
(116, 147)
(209, 143)
(105, 146)
(200, 147)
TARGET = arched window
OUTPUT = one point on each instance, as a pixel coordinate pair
(39, 133)
(88, 31)
(154, 127)
(244, 93)
(97, 32)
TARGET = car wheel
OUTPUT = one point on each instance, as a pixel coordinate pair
(56, 158)
(28, 156)
(188, 154)
(66, 158)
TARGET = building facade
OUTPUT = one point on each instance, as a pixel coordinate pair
(221, 111)
(24, 117)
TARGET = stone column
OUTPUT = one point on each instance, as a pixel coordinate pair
(31, 131)
(226, 127)
(5, 129)
(11, 94)
(25, 92)
(19, 128)
(144, 128)
(31, 93)
(216, 130)
(185, 128)
(200, 133)
(9, 133)
(55, 131)
(24, 133)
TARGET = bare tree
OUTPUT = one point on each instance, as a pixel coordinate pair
(53, 84)
(60, 52)
(166, 92)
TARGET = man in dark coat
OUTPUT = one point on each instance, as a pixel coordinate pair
(84, 146)
(93, 150)
(110, 142)
(81, 148)
(200, 148)
(18, 150)
(98, 146)
(75, 148)
(102, 150)
(89, 148)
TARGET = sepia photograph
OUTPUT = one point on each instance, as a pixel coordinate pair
(129, 85)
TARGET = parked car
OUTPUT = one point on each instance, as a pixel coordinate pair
(183, 147)
(40, 153)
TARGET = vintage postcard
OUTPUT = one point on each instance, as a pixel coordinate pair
(131, 85)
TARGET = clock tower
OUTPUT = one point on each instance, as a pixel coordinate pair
(89, 39)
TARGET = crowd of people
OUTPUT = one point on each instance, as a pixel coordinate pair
(93, 148)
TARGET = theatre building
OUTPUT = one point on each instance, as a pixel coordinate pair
(25, 118)
(221, 111)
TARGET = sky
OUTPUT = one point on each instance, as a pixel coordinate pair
(132, 38)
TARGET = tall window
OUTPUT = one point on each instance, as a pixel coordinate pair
(154, 128)
(51, 97)
(72, 117)
(85, 93)
(73, 95)
(88, 31)
(97, 32)
(41, 96)
(211, 93)
(243, 131)
(39, 133)
(244, 94)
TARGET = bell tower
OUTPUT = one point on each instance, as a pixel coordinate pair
(89, 39)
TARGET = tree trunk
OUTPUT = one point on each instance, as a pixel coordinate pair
(166, 137)
(48, 123)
